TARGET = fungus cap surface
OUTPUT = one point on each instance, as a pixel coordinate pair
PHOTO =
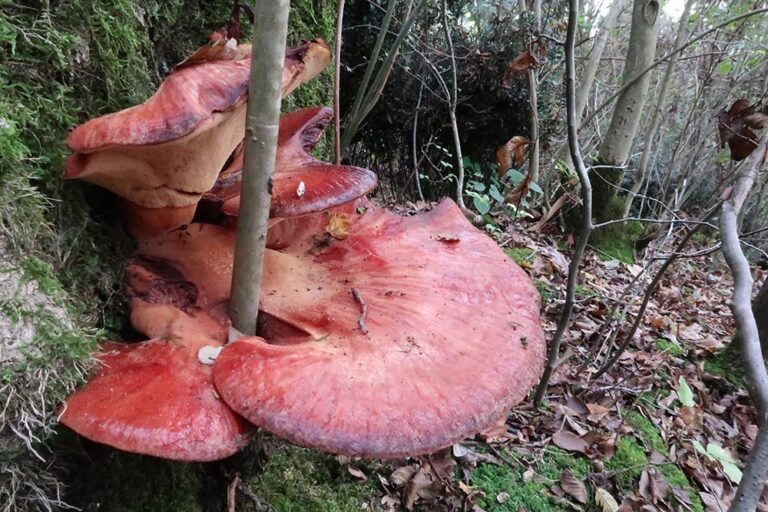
(450, 340)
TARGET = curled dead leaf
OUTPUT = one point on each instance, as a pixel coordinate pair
(512, 153)
(338, 226)
(734, 129)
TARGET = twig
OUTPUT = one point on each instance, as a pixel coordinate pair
(232, 494)
(586, 198)
(753, 479)
(363, 310)
(259, 505)
(336, 85)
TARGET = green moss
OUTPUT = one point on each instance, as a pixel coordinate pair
(630, 458)
(533, 496)
(647, 432)
(547, 291)
(521, 255)
(727, 364)
(627, 463)
(298, 479)
(669, 347)
(617, 241)
(116, 481)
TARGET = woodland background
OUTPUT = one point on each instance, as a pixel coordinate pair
(666, 427)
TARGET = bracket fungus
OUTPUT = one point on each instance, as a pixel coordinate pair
(420, 331)
(379, 335)
(301, 183)
(163, 155)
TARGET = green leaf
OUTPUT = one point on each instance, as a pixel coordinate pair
(725, 67)
(515, 176)
(536, 188)
(684, 393)
(732, 471)
(699, 447)
(480, 187)
(496, 194)
(482, 205)
(718, 453)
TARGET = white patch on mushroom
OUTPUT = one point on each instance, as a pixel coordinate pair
(208, 354)
(301, 189)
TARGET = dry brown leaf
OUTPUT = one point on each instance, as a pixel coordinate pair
(605, 501)
(357, 473)
(596, 412)
(569, 441)
(524, 61)
(338, 226)
(512, 154)
(573, 486)
(400, 476)
(735, 131)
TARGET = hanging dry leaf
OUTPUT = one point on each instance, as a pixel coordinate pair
(605, 501)
(735, 131)
(524, 61)
(512, 154)
(573, 486)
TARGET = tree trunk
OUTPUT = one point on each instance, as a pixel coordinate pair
(615, 148)
(590, 71)
(760, 309)
(269, 33)
(653, 125)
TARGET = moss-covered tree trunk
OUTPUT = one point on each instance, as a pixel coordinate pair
(614, 151)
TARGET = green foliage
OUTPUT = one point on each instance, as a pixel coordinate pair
(302, 480)
(627, 463)
(669, 347)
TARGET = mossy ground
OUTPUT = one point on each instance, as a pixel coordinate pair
(517, 494)
(295, 479)
(617, 241)
(727, 364)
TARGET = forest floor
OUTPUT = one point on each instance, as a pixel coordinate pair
(666, 428)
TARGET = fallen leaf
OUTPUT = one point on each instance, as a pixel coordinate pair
(684, 392)
(605, 501)
(357, 473)
(596, 412)
(400, 476)
(502, 497)
(338, 226)
(573, 486)
(570, 442)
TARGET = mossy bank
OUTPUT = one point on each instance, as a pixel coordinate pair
(61, 244)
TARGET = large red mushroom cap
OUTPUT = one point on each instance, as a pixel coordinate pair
(156, 398)
(301, 183)
(419, 331)
(167, 152)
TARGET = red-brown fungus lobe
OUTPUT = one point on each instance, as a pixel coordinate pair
(422, 332)
(167, 152)
(156, 398)
(301, 183)
(180, 283)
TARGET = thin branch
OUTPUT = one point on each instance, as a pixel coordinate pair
(336, 86)
(586, 197)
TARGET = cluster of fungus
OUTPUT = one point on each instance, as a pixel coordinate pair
(379, 335)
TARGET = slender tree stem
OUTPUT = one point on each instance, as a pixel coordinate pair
(270, 30)
(336, 85)
(753, 479)
(453, 99)
(586, 198)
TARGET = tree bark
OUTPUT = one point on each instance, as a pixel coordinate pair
(655, 121)
(270, 30)
(533, 100)
(453, 99)
(615, 148)
(756, 471)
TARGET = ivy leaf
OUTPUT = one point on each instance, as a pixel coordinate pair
(482, 205)
(496, 194)
(515, 176)
(684, 393)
